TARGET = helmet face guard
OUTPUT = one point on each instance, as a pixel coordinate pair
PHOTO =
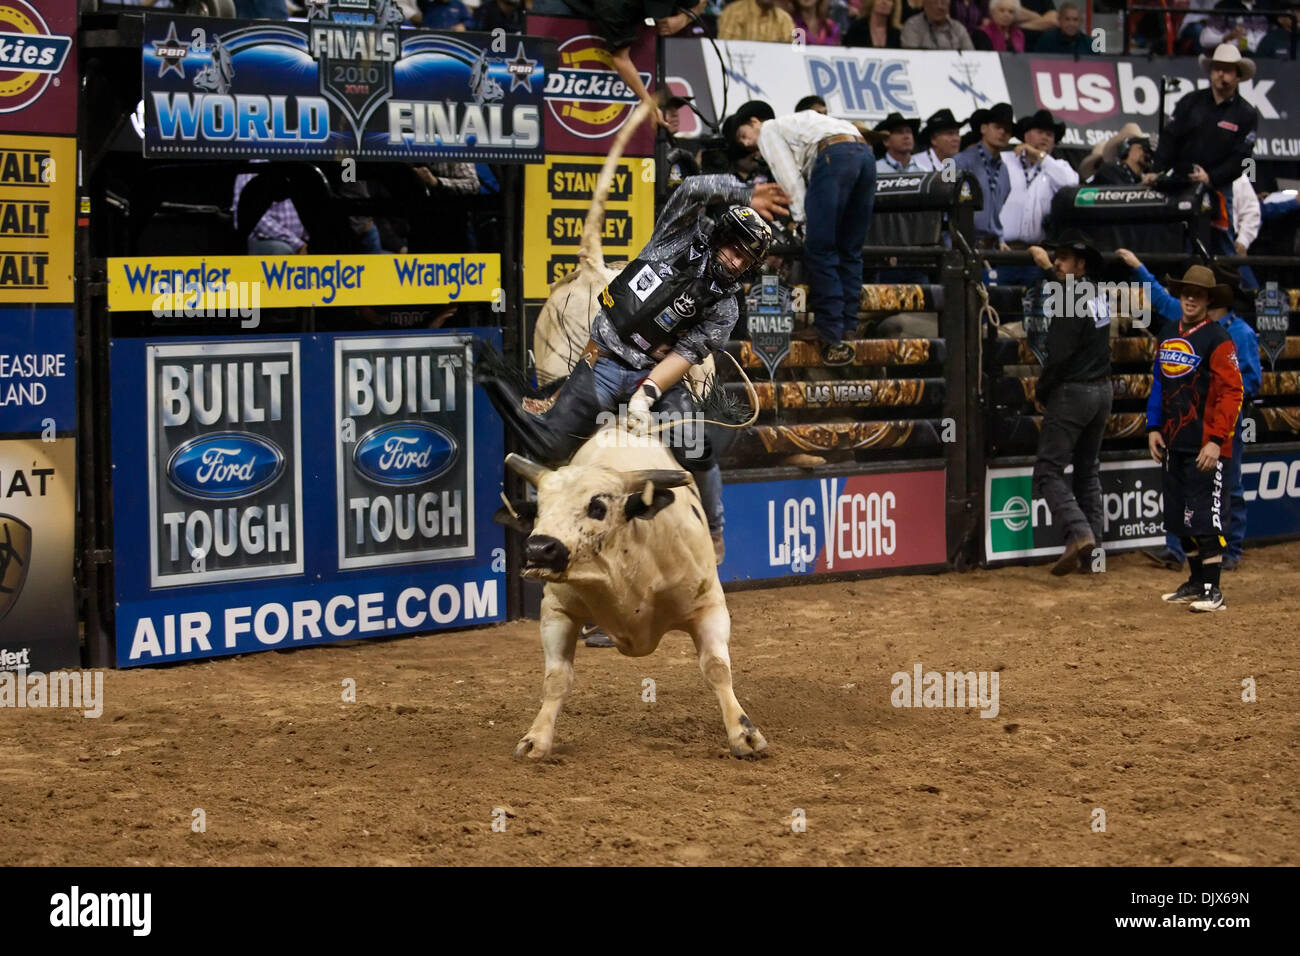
(744, 230)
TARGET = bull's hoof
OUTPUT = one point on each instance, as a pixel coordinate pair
(533, 750)
(751, 745)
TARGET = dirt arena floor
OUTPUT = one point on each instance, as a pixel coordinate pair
(1108, 699)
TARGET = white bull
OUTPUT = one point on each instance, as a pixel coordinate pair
(617, 545)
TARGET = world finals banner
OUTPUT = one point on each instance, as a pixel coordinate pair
(348, 82)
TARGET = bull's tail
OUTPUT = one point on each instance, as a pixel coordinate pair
(590, 251)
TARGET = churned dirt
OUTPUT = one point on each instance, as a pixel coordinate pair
(1108, 699)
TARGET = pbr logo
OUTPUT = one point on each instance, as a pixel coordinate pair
(1272, 321)
(225, 480)
(405, 453)
(770, 320)
(15, 559)
(585, 95)
(30, 56)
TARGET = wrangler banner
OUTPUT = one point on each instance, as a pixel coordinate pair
(203, 285)
(245, 519)
(37, 196)
(349, 81)
(558, 195)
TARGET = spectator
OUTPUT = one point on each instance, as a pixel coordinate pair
(1235, 22)
(1277, 42)
(1000, 33)
(445, 15)
(943, 138)
(505, 15)
(900, 140)
(262, 9)
(983, 160)
(844, 12)
(934, 29)
(279, 232)
(672, 107)
(1068, 35)
(832, 158)
(972, 14)
(873, 29)
(450, 186)
(1035, 16)
(1213, 132)
(1131, 159)
(1035, 176)
(813, 23)
(618, 21)
(759, 20)
(1075, 391)
(814, 103)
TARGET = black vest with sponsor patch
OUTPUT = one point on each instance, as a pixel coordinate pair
(652, 303)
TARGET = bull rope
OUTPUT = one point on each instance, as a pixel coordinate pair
(753, 401)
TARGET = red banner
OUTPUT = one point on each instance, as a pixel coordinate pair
(586, 101)
(883, 521)
(38, 66)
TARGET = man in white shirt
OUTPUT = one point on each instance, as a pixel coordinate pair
(1035, 176)
(942, 136)
(900, 140)
(828, 171)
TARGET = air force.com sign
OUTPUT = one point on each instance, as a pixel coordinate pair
(225, 475)
(404, 449)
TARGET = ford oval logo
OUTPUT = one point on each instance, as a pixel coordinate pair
(405, 453)
(224, 466)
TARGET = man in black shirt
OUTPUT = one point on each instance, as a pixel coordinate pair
(1075, 391)
(1212, 130)
(1132, 160)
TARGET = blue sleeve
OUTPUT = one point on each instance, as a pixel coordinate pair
(1247, 342)
(1154, 416)
(1162, 303)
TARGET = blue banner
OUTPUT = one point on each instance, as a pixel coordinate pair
(37, 372)
(1270, 481)
(284, 491)
(348, 82)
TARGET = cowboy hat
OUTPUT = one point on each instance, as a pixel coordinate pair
(1108, 151)
(893, 121)
(1229, 55)
(938, 122)
(1039, 120)
(1076, 241)
(997, 113)
(1202, 279)
(754, 109)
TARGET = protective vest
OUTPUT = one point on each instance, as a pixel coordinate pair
(652, 303)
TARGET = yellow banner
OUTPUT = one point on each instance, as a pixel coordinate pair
(38, 177)
(557, 197)
(202, 285)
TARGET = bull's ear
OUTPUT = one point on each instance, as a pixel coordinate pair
(635, 507)
(525, 513)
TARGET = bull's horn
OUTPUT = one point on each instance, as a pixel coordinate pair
(662, 478)
(526, 468)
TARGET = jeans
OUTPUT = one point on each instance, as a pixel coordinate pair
(841, 192)
(270, 247)
(615, 383)
(1072, 430)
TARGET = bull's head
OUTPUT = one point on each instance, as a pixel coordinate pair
(579, 507)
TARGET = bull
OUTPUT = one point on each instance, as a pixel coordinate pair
(619, 537)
